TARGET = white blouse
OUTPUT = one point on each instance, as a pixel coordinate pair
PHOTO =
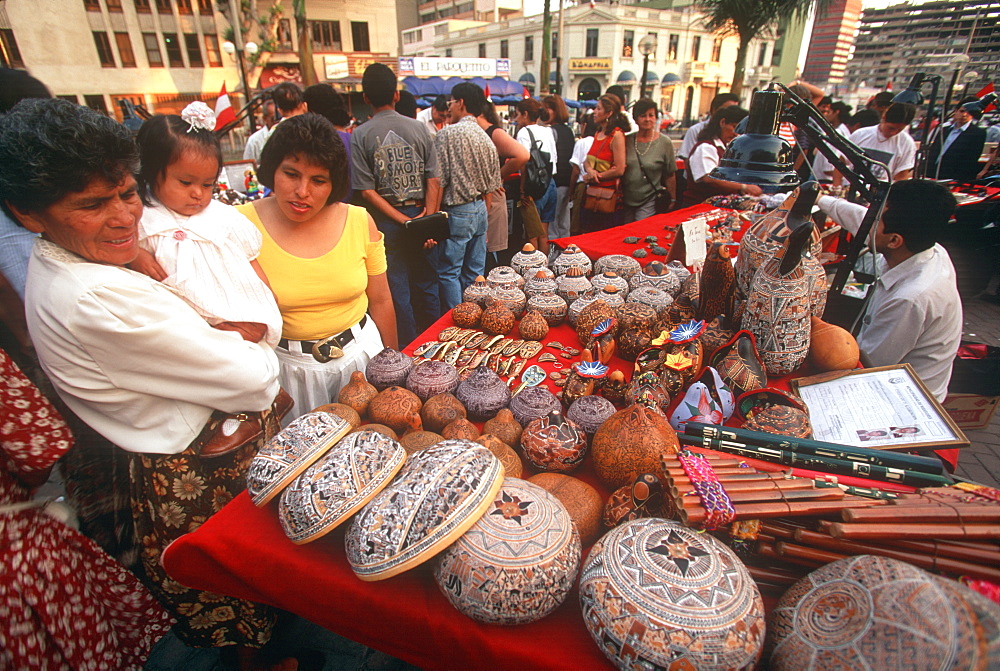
(207, 260)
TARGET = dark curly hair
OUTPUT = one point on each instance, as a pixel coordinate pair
(308, 136)
(162, 139)
(918, 210)
(51, 148)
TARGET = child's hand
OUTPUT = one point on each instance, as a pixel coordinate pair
(250, 331)
(146, 264)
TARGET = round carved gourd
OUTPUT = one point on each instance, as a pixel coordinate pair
(504, 276)
(517, 563)
(655, 274)
(478, 292)
(583, 502)
(512, 297)
(610, 278)
(431, 378)
(388, 368)
(419, 440)
(831, 347)
(338, 484)
(611, 295)
(868, 612)
(483, 393)
(460, 428)
(439, 493)
(381, 428)
(624, 266)
(291, 451)
(780, 419)
(591, 316)
(658, 299)
(467, 314)
(554, 443)
(679, 271)
(504, 427)
(346, 412)
(497, 318)
(577, 306)
(528, 258)
(541, 282)
(512, 466)
(777, 313)
(630, 442)
(552, 307)
(393, 407)
(589, 412)
(533, 326)
(357, 393)
(571, 256)
(441, 410)
(656, 594)
(572, 285)
(532, 403)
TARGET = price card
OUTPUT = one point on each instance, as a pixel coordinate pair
(695, 237)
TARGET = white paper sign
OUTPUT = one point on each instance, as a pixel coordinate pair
(695, 237)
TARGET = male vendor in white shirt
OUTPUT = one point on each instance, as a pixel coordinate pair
(915, 314)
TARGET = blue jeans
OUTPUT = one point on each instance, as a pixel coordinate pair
(412, 280)
(462, 257)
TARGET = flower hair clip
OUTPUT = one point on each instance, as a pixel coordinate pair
(199, 116)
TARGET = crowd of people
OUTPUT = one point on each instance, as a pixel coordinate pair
(179, 333)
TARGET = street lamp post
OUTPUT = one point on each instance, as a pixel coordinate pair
(967, 80)
(647, 46)
(958, 62)
(237, 53)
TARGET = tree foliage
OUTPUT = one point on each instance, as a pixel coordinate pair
(748, 19)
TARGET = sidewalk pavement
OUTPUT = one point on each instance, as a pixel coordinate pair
(980, 462)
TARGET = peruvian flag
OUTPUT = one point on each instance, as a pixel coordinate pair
(888, 87)
(223, 109)
(487, 92)
(983, 91)
(526, 94)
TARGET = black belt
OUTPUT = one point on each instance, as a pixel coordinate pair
(329, 348)
(408, 203)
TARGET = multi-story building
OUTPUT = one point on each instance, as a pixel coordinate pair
(166, 53)
(830, 43)
(687, 68)
(430, 11)
(896, 42)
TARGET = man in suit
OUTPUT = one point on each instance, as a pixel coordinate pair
(958, 145)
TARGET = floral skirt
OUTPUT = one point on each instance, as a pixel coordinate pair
(173, 495)
(64, 603)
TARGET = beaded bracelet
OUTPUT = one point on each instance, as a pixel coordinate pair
(719, 509)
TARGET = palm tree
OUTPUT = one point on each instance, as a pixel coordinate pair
(748, 19)
(306, 66)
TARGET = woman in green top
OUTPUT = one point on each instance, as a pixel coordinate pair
(650, 166)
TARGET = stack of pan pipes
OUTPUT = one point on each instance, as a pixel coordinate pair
(808, 523)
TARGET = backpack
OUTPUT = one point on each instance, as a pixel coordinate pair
(537, 171)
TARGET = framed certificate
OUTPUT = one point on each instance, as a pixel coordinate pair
(886, 407)
(233, 174)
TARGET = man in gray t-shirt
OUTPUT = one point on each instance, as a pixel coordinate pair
(394, 168)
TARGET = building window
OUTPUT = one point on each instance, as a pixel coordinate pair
(695, 47)
(326, 35)
(163, 7)
(447, 53)
(153, 55)
(125, 50)
(776, 56)
(174, 57)
(628, 43)
(504, 49)
(184, 6)
(762, 56)
(205, 7)
(284, 34)
(194, 51)
(716, 49)
(92, 5)
(529, 48)
(103, 45)
(359, 36)
(672, 45)
(114, 5)
(142, 6)
(482, 49)
(591, 51)
(96, 103)
(10, 55)
(212, 49)
(555, 44)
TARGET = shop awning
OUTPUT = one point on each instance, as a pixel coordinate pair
(526, 78)
(651, 77)
(627, 76)
(431, 87)
(670, 78)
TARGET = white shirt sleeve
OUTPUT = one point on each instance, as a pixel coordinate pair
(690, 138)
(849, 215)
(906, 153)
(703, 160)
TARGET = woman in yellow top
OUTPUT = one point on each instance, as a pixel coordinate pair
(324, 260)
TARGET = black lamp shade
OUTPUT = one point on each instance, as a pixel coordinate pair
(760, 157)
(911, 95)
(979, 106)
